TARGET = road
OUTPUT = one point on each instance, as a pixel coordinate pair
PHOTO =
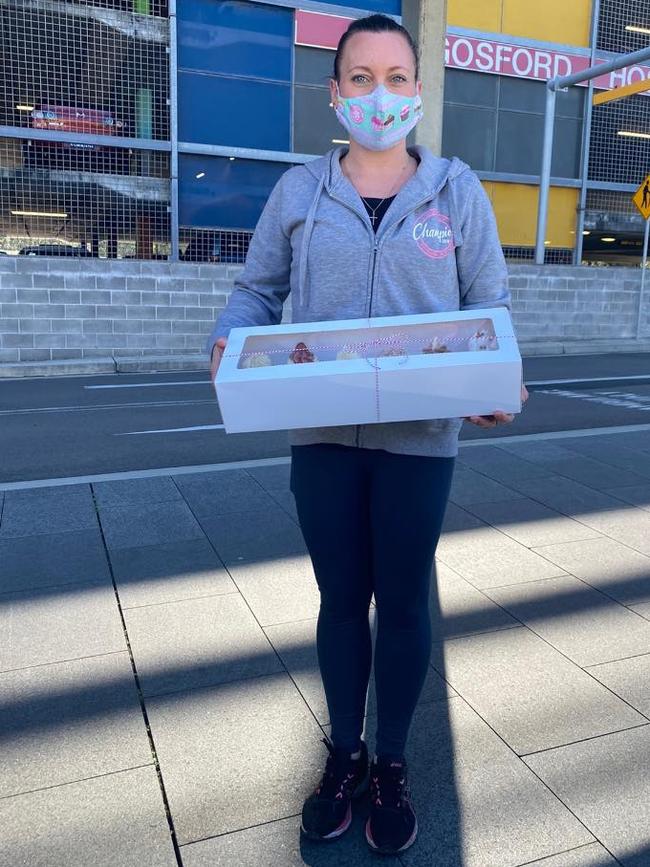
(75, 426)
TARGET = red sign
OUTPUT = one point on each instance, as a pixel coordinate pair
(523, 61)
(320, 30)
(480, 55)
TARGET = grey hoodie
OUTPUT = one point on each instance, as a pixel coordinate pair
(436, 249)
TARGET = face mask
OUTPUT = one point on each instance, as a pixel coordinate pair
(380, 119)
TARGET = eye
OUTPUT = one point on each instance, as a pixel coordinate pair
(399, 79)
(360, 79)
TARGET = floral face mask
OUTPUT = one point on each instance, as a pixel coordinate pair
(380, 119)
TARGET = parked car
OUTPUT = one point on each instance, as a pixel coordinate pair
(54, 250)
(79, 155)
(67, 118)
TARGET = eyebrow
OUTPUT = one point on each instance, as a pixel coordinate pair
(367, 68)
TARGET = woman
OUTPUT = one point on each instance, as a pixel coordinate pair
(373, 229)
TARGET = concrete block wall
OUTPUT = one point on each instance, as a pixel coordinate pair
(562, 303)
(53, 309)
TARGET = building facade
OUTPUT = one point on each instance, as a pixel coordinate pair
(156, 129)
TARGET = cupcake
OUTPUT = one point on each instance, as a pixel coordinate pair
(257, 359)
(301, 355)
(390, 120)
(404, 113)
(479, 341)
(392, 352)
(436, 345)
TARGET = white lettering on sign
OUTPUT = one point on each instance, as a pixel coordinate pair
(522, 61)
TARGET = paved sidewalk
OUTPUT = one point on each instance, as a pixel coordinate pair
(160, 702)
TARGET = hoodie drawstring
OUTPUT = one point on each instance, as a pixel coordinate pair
(453, 213)
(306, 240)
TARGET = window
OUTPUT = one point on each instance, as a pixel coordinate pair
(316, 128)
(470, 133)
(235, 38)
(471, 88)
(234, 74)
(217, 192)
(214, 109)
(315, 125)
(496, 124)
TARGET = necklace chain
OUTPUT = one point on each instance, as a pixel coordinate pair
(373, 215)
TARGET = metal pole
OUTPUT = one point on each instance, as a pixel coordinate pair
(644, 265)
(623, 60)
(545, 179)
(173, 132)
(586, 146)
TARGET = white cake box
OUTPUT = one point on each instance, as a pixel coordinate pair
(383, 369)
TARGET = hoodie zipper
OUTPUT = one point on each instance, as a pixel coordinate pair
(375, 248)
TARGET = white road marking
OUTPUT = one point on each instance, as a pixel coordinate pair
(150, 384)
(642, 376)
(268, 462)
(133, 433)
(142, 474)
(560, 435)
(103, 406)
(624, 399)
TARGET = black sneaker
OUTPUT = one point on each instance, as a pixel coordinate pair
(392, 825)
(327, 812)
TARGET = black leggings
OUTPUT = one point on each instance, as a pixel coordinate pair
(371, 521)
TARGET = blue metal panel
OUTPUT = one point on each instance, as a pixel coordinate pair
(235, 38)
(234, 111)
(230, 195)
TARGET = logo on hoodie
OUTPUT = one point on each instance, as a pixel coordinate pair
(433, 235)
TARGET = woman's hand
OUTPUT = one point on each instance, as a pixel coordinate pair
(217, 355)
(488, 421)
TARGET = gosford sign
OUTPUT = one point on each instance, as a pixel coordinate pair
(495, 57)
(522, 61)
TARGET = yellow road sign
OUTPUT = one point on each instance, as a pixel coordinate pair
(642, 198)
(621, 92)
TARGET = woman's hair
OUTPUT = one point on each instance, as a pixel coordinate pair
(374, 24)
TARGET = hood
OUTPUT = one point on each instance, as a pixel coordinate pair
(431, 176)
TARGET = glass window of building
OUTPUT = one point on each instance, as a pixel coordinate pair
(234, 84)
(495, 124)
(221, 200)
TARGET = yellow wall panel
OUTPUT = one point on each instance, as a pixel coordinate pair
(475, 14)
(515, 207)
(551, 21)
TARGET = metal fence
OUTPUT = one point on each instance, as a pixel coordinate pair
(87, 86)
(619, 154)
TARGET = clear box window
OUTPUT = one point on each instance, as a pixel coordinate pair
(400, 341)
